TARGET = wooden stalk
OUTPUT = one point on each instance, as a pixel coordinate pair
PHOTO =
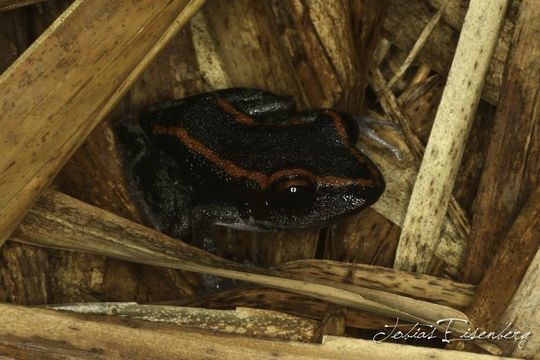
(523, 313)
(406, 20)
(431, 194)
(282, 301)
(422, 74)
(66, 82)
(257, 323)
(418, 45)
(399, 183)
(512, 168)
(6, 5)
(59, 221)
(508, 266)
(77, 336)
(426, 287)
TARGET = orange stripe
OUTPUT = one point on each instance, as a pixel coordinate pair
(327, 180)
(340, 128)
(228, 166)
(236, 171)
(245, 119)
(237, 115)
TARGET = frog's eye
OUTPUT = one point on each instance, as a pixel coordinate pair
(292, 193)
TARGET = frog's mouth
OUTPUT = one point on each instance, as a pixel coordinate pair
(325, 211)
(259, 227)
(266, 226)
(254, 225)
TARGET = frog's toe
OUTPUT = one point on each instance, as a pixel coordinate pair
(211, 284)
(365, 126)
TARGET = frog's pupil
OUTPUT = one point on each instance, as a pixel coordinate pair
(293, 193)
(294, 198)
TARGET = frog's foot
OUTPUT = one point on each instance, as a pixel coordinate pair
(211, 284)
(204, 220)
(152, 177)
(365, 126)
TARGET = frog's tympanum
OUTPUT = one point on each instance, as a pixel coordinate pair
(244, 158)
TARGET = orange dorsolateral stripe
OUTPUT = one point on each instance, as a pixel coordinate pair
(234, 170)
(242, 118)
(340, 128)
(330, 180)
(228, 166)
(237, 115)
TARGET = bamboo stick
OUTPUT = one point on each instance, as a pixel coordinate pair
(282, 301)
(392, 108)
(399, 184)
(77, 336)
(6, 5)
(421, 75)
(508, 266)
(512, 169)
(523, 313)
(19, 262)
(406, 19)
(255, 323)
(418, 45)
(59, 221)
(66, 82)
(511, 178)
(433, 187)
(430, 288)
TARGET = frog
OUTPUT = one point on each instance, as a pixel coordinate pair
(246, 159)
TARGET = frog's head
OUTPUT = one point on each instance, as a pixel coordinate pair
(322, 177)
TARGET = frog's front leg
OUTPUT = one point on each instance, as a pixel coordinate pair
(154, 180)
(204, 221)
(205, 218)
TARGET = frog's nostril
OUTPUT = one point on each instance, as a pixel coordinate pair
(257, 206)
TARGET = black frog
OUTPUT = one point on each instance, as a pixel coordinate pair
(245, 158)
